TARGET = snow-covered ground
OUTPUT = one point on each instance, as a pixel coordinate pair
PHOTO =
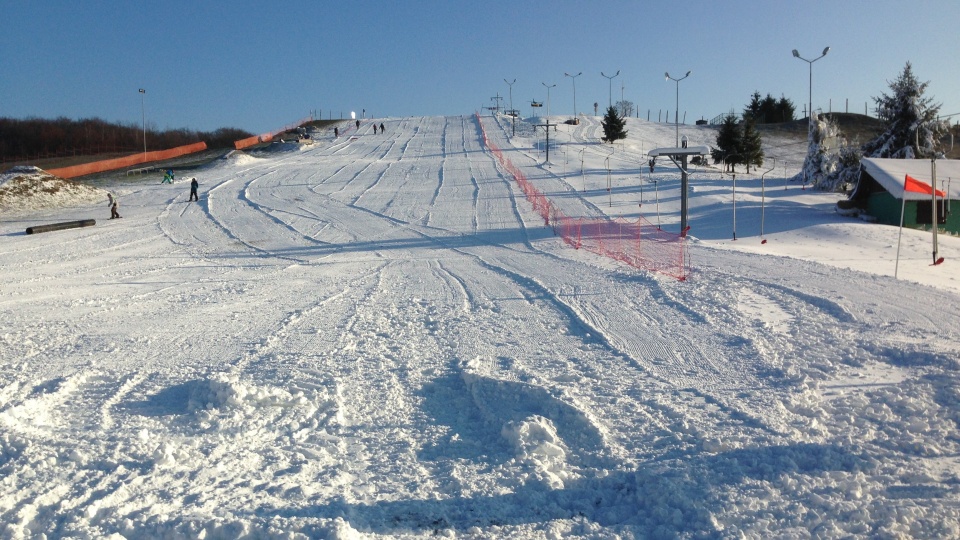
(376, 336)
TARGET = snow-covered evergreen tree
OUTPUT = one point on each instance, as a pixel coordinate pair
(823, 141)
(912, 129)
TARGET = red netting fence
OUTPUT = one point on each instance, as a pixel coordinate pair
(639, 243)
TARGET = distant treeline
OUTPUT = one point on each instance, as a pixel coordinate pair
(37, 137)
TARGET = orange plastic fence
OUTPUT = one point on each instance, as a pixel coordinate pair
(267, 137)
(639, 244)
(246, 143)
(126, 161)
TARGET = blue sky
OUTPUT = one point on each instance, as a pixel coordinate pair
(261, 65)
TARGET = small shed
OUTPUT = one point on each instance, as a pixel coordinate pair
(880, 192)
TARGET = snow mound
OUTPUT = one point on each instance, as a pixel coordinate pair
(228, 392)
(30, 188)
(536, 442)
(240, 158)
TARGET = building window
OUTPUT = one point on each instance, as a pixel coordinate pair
(925, 212)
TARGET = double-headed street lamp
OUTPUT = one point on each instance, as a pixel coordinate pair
(676, 116)
(143, 118)
(810, 94)
(610, 80)
(549, 86)
(574, 77)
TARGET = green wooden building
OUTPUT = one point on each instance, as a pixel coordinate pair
(880, 193)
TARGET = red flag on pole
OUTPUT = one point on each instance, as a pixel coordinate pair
(913, 185)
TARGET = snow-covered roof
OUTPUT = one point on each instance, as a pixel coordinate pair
(890, 174)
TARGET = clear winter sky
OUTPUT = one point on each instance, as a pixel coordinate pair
(260, 65)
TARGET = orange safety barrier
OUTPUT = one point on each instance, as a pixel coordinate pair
(126, 161)
(246, 143)
(639, 244)
(267, 137)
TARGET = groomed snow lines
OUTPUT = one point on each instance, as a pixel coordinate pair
(639, 243)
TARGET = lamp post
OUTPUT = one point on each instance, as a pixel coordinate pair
(676, 116)
(574, 77)
(610, 80)
(143, 118)
(512, 111)
(549, 86)
(810, 91)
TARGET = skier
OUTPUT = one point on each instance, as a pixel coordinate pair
(113, 202)
(358, 125)
(381, 127)
(193, 190)
(336, 133)
(374, 129)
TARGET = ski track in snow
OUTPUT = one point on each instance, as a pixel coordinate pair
(376, 336)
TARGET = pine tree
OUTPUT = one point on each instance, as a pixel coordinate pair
(785, 109)
(613, 126)
(728, 142)
(823, 141)
(752, 109)
(751, 150)
(910, 118)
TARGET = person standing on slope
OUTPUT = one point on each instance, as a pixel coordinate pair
(114, 202)
(193, 190)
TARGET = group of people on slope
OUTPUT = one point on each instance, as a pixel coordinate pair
(114, 202)
(336, 130)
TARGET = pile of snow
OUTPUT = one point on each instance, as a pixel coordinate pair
(30, 188)
(240, 158)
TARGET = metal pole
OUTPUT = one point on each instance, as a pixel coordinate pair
(548, 102)
(574, 77)
(933, 184)
(143, 118)
(683, 192)
(513, 112)
(610, 89)
(676, 117)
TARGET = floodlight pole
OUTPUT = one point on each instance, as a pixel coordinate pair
(143, 118)
(513, 112)
(809, 102)
(574, 77)
(610, 90)
(810, 88)
(676, 116)
(549, 86)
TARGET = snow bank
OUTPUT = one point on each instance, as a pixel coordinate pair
(30, 188)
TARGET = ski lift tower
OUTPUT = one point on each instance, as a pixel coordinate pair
(681, 154)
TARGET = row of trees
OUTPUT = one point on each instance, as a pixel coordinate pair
(31, 137)
(738, 143)
(768, 110)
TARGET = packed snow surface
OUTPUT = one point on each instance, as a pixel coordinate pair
(376, 336)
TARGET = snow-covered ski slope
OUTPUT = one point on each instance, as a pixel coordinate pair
(376, 336)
